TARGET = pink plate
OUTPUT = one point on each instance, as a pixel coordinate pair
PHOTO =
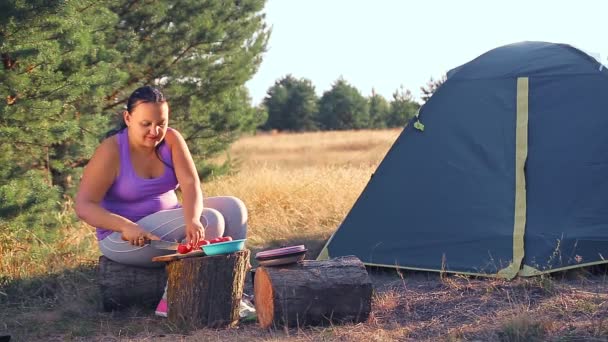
(280, 251)
(282, 261)
(259, 258)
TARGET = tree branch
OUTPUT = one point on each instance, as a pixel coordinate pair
(87, 7)
(114, 104)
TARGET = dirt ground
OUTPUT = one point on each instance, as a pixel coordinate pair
(407, 306)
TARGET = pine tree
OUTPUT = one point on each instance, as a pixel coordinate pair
(54, 63)
(291, 104)
(378, 110)
(200, 53)
(402, 108)
(343, 107)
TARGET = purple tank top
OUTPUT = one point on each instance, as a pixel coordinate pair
(134, 197)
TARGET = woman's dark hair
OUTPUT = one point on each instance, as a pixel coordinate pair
(145, 94)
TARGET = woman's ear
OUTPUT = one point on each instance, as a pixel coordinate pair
(126, 117)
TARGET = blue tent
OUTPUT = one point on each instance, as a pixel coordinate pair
(506, 176)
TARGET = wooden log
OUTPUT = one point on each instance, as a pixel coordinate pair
(206, 291)
(123, 285)
(313, 293)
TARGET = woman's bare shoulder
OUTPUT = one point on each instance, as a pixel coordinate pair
(173, 137)
(100, 171)
(108, 150)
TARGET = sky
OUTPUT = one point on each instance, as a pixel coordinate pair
(385, 44)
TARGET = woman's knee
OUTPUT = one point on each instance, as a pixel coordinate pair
(229, 206)
(234, 212)
(237, 203)
(214, 223)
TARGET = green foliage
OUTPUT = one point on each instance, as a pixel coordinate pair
(343, 107)
(224, 122)
(24, 206)
(379, 109)
(291, 104)
(200, 53)
(55, 60)
(403, 108)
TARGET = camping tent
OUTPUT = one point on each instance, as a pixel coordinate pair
(507, 175)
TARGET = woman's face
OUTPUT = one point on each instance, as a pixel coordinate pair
(147, 123)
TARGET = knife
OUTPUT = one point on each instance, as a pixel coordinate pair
(160, 244)
(178, 256)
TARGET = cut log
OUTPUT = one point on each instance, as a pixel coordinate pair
(122, 285)
(206, 291)
(313, 293)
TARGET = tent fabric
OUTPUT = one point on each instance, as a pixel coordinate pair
(449, 198)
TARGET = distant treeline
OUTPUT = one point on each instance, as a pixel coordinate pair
(292, 105)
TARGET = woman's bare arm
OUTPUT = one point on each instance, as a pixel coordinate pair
(189, 182)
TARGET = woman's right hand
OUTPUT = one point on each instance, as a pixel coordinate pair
(136, 235)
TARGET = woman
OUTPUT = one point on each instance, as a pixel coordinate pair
(128, 188)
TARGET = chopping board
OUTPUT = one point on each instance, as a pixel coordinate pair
(178, 256)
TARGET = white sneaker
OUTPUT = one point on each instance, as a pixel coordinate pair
(246, 311)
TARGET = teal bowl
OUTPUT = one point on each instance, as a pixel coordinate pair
(224, 247)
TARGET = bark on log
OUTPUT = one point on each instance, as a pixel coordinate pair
(313, 293)
(122, 285)
(206, 291)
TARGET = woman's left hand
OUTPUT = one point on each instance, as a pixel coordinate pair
(195, 232)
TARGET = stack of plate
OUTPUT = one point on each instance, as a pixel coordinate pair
(281, 256)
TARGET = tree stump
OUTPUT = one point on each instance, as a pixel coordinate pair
(122, 285)
(206, 290)
(313, 293)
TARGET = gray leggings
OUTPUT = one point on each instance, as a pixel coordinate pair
(222, 216)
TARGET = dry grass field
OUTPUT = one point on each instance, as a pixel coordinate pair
(298, 187)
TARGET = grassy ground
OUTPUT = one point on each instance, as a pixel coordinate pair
(298, 187)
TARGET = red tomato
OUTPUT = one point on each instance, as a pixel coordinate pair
(216, 240)
(203, 243)
(183, 249)
(226, 238)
